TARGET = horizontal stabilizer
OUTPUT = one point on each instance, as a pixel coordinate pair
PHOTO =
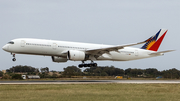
(161, 52)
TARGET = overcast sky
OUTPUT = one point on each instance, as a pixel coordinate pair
(113, 22)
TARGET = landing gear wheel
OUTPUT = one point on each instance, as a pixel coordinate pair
(80, 65)
(95, 65)
(14, 59)
(87, 65)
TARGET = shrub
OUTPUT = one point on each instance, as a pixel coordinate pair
(17, 76)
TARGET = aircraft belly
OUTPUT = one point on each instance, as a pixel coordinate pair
(116, 56)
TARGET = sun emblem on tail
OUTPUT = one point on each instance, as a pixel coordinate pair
(149, 45)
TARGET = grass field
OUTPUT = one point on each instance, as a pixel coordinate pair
(91, 92)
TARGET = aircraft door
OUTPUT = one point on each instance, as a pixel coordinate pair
(136, 52)
(54, 46)
(23, 43)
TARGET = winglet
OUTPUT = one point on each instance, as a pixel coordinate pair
(154, 42)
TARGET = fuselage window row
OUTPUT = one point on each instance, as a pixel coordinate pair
(50, 46)
(38, 44)
(72, 47)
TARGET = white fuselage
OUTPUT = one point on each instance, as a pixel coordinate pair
(58, 48)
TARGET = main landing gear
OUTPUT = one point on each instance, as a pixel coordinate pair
(92, 64)
(14, 58)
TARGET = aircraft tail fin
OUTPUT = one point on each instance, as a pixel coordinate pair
(154, 42)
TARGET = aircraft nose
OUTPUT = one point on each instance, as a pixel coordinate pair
(4, 47)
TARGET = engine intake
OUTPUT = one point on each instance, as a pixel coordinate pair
(76, 55)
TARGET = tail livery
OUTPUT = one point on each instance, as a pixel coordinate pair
(154, 42)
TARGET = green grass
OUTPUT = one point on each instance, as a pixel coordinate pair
(91, 92)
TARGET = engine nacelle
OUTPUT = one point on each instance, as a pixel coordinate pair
(76, 55)
(58, 59)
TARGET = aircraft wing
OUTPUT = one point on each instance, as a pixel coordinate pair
(100, 51)
(161, 52)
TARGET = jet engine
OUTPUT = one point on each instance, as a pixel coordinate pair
(76, 55)
(58, 59)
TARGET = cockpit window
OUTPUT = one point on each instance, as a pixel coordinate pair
(11, 42)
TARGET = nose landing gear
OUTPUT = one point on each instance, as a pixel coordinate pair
(14, 58)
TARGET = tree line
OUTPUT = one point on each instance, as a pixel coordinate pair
(22, 69)
(96, 71)
(130, 72)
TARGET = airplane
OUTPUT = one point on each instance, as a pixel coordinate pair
(62, 51)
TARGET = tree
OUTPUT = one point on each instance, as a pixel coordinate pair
(45, 70)
(72, 71)
(21, 69)
(104, 74)
(151, 72)
(104, 71)
(97, 71)
(119, 72)
(17, 76)
(171, 73)
(1, 73)
(134, 72)
(128, 71)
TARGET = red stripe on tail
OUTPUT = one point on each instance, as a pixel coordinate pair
(156, 45)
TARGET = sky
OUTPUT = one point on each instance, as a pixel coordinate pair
(112, 22)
